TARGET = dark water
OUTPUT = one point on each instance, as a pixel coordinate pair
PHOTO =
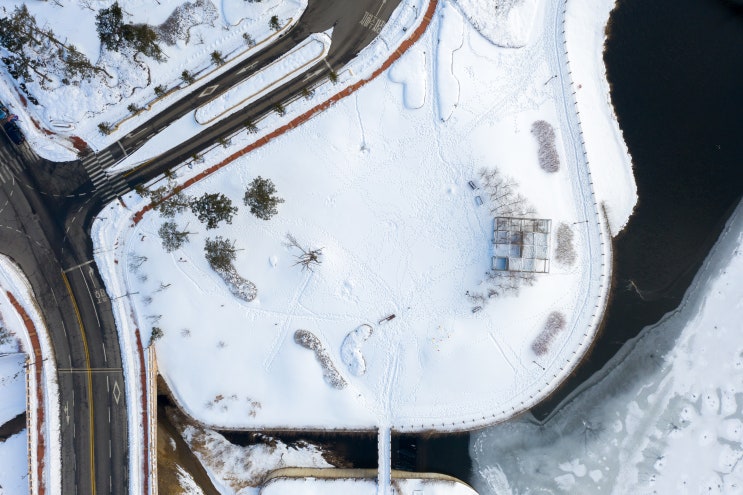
(676, 71)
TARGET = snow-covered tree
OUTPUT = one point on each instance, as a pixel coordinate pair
(171, 236)
(262, 199)
(220, 253)
(212, 209)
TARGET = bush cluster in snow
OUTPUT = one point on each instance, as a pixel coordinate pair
(238, 286)
(554, 325)
(178, 25)
(565, 252)
(549, 159)
(308, 340)
(351, 349)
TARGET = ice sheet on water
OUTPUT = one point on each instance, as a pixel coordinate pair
(632, 427)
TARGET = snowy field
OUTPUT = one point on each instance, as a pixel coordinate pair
(194, 29)
(664, 416)
(380, 184)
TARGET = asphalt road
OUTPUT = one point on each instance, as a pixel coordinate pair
(45, 214)
(85, 347)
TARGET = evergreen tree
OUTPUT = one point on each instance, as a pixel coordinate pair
(109, 23)
(174, 204)
(187, 77)
(157, 334)
(212, 209)
(274, 23)
(217, 57)
(220, 252)
(171, 236)
(250, 126)
(261, 198)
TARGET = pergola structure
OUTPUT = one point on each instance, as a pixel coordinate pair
(521, 244)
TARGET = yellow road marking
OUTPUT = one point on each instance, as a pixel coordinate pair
(90, 380)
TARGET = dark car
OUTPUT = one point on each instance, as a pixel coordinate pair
(14, 132)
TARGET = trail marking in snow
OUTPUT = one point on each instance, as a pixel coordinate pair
(209, 90)
(500, 349)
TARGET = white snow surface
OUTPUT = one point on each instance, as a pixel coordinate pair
(507, 23)
(663, 416)
(14, 464)
(346, 486)
(384, 193)
(611, 164)
(12, 381)
(14, 450)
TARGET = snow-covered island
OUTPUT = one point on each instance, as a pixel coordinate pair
(418, 192)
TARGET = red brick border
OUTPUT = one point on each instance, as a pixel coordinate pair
(399, 51)
(36, 348)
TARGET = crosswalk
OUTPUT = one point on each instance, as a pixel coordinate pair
(111, 185)
(10, 162)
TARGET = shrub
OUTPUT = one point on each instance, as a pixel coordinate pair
(547, 154)
(217, 57)
(554, 324)
(565, 252)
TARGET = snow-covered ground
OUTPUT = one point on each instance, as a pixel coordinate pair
(664, 416)
(14, 464)
(380, 184)
(14, 450)
(200, 28)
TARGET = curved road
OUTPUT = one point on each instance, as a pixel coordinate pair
(46, 211)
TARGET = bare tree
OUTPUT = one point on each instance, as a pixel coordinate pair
(505, 200)
(135, 261)
(309, 257)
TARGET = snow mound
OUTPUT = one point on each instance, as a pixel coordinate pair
(309, 340)
(506, 23)
(451, 38)
(351, 349)
(410, 71)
